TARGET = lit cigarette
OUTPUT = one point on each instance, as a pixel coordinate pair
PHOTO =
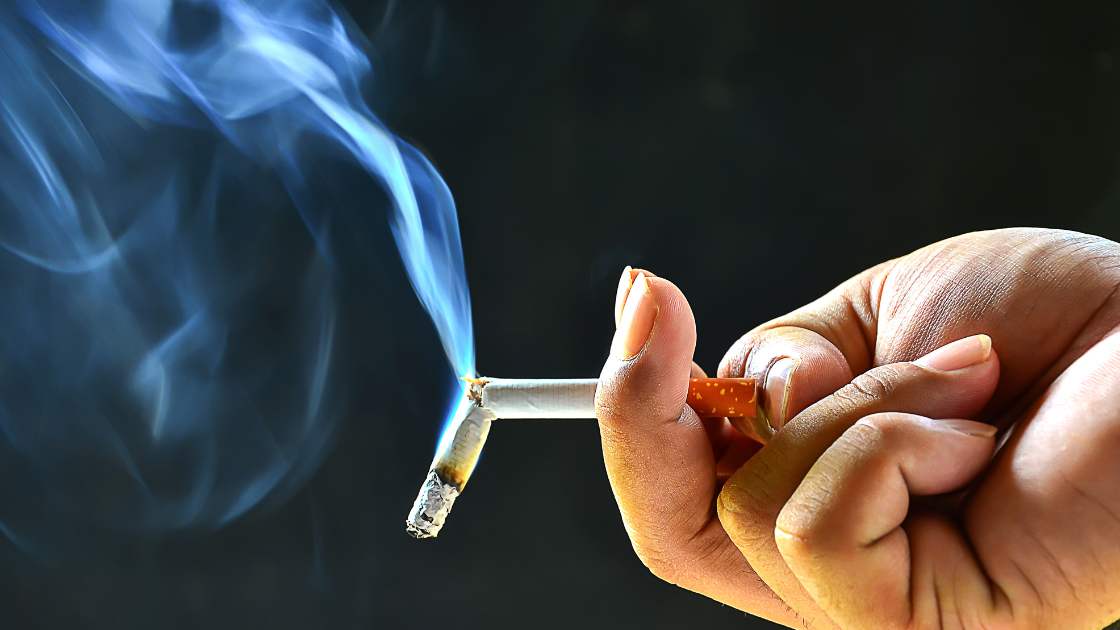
(489, 399)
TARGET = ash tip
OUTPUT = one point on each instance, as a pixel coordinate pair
(431, 508)
(417, 531)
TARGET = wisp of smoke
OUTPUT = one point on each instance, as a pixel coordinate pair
(165, 350)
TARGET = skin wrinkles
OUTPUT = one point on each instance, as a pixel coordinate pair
(810, 531)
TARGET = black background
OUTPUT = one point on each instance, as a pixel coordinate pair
(756, 153)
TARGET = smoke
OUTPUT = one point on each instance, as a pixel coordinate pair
(169, 326)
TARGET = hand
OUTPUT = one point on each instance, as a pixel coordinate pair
(834, 522)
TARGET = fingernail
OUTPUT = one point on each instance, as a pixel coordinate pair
(968, 427)
(958, 355)
(637, 319)
(778, 384)
(624, 284)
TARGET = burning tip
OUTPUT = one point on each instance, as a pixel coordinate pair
(431, 508)
(474, 387)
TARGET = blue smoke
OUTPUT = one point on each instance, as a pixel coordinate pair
(165, 357)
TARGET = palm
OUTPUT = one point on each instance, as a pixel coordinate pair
(1041, 522)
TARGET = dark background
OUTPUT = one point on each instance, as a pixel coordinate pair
(756, 153)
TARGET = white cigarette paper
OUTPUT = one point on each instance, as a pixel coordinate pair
(537, 398)
(487, 400)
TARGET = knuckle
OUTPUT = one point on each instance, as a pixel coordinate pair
(797, 547)
(608, 410)
(863, 443)
(876, 384)
(748, 510)
(882, 383)
(798, 532)
(868, 433)
(746, 523)
(884, 430)
(643, 389)
(806, 525)
(607, 391)
(619, 397)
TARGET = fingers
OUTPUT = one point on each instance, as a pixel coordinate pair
(841, 532)
(954, 381)
(658, 455)
(810, 353)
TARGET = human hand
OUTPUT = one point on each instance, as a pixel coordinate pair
(822, 527)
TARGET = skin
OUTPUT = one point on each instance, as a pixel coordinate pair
(870, 507)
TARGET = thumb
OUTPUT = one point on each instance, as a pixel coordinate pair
(657, 453)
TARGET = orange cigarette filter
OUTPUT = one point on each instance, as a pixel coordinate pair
(723, 397)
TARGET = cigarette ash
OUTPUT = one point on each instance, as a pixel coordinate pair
(456, 457)
(431, 508)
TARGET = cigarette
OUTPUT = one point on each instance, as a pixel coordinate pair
(490, 399)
